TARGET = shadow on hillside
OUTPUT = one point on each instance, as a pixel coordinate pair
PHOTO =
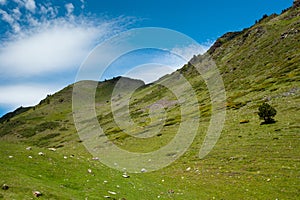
(268, 122)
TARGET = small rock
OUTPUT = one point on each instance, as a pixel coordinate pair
(41, 153)
(107, 197)
(5, 187)
(28, 148)
(96, 158)
(104, 182)
(89, 171)
(37, 194)
(10, 156)
(30, 157)
(65, 157)
(125, 176)
(188, 169)
(110, 192)
(51, 149)
(268, 180)
(143, 170)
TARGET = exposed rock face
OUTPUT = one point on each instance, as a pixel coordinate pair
(225, 38)
(296, 3)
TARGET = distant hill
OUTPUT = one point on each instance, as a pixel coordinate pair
(9, 115)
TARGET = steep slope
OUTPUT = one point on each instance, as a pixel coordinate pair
(250, 161)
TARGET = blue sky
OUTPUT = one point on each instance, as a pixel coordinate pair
(44, 42)
(200, 19)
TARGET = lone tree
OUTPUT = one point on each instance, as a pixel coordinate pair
(266, 112)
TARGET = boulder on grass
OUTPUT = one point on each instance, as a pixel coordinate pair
(5, 187)
(37, 193)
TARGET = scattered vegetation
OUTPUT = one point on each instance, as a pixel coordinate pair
(46, 125)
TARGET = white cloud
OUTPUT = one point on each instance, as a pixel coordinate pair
(70, 8)
(150, 65)
(2, 2)
(166, 63)
(40, 46)
(25, 94)
(14, 16)
(30, 5)
(17, 13)
(48, 11)
(189, 51)
(32, 21)
(179, 56)
(19, 2)
(182, 55)
(6, 17)
(56, 47)
(10, 20)
(149, 72)
(16, 27)
(82, 4)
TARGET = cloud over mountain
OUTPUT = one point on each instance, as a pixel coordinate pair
(43, 40)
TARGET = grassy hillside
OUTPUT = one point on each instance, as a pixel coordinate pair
(250, 161)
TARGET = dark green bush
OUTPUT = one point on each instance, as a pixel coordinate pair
(266, 113)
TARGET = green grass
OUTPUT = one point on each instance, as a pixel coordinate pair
(248, 160)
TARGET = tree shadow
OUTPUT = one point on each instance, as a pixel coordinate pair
(271, 121)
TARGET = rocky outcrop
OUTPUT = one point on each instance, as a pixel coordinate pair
(225, 38)
(296, 4)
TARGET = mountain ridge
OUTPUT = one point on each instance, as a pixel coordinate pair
(227, 37)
